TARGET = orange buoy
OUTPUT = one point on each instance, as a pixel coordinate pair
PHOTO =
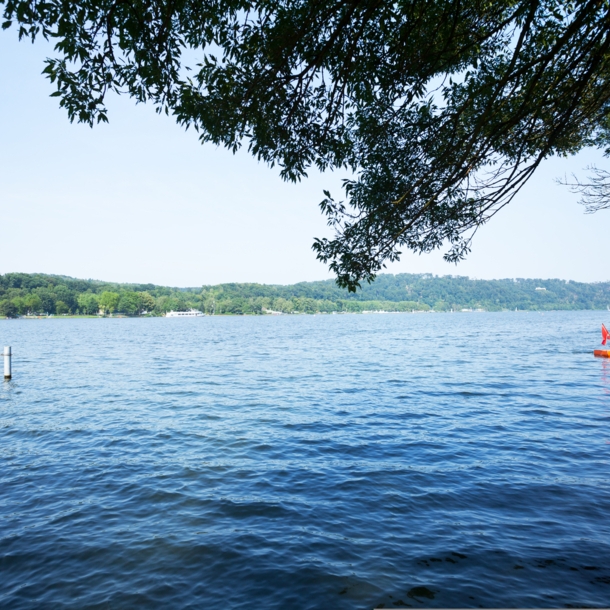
(602, 353)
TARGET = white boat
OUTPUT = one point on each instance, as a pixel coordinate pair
(193, 313)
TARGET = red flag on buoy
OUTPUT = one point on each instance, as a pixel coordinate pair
(605, 334)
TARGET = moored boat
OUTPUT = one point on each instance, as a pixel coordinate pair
(192, 313)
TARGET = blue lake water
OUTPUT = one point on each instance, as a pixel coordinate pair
(357, 461)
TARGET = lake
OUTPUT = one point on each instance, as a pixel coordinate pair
(306, 462)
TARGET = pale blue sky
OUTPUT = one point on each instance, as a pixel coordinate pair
(140, 200)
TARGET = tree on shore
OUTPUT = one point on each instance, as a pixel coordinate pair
(109, 302)
(440, 111)
(88, 303)
(61, 308)
(146, 302)
(8, 309)
(129, 303)
(33, 304)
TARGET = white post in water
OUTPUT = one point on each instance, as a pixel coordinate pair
(7, 362)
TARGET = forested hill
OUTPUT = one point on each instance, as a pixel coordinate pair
(36, 294)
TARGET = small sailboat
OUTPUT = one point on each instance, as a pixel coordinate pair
(603, 353)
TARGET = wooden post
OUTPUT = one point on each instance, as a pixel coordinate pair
(7, 362)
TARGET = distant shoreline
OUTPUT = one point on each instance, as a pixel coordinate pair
(343, 313)
(38, 294)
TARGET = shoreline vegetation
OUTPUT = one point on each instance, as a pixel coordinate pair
(38, 295)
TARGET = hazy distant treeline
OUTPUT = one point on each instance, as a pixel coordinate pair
(38, 294)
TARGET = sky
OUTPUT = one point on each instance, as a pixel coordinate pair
(141, 200)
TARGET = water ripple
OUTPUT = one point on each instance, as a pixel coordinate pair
(305, 462)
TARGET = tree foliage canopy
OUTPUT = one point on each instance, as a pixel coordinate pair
(440, 111)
